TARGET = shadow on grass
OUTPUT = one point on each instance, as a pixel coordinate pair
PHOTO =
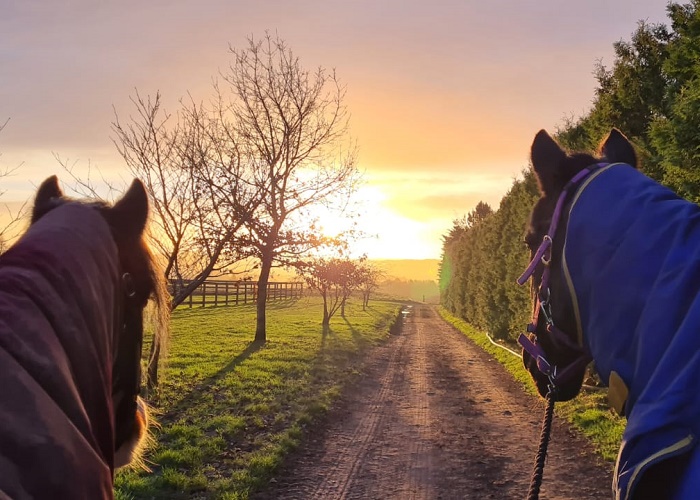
(281, 304)
(198, 392)
(197, 309)
(325, 332)
(360, 341)
(203, 311)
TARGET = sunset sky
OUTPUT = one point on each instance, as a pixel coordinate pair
(445, 96)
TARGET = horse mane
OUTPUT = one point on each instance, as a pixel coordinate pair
(159, 316)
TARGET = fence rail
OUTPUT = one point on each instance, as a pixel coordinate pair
(225, 293)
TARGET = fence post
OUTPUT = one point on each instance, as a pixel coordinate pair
(204, 294)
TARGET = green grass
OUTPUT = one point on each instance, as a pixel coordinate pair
(230, 410)
(589, 412)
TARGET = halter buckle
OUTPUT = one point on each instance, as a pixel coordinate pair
(547, 313)
(545, 307)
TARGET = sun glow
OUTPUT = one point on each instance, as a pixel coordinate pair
(380, 232)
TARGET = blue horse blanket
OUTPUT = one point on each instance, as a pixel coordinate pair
(57, 299)
(632, 260)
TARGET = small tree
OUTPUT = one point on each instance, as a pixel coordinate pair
(369, 277)
(334, 279)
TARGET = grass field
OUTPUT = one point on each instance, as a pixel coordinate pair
(230, 410)
(589, 412)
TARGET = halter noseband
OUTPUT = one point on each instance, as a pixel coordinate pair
(543, 305)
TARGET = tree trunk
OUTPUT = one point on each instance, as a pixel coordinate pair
(326, 317)
(342, 308)
(261, 300)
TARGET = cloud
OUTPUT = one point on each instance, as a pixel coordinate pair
(425, 197)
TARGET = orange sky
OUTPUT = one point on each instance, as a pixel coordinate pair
(445, 96)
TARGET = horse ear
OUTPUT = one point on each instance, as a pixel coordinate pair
(130, 214)
(616, 148)
(546, 156)
(48, 190)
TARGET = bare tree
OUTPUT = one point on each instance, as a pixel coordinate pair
(240, 177)
(199, 196)
(292, 128)
(11, 227)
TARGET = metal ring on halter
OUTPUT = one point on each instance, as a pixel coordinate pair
(543, 365)
(547, 255)
(128, 281)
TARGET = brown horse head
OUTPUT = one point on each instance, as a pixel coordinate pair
(555, 168)
(141, 280)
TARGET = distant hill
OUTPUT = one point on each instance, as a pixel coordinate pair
(410, 279)
(406, 269)
(394, 269)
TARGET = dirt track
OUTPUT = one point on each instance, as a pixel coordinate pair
(435, 418)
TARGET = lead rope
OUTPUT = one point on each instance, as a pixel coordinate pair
(536, 482)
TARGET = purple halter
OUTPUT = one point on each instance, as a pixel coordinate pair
(559, 338)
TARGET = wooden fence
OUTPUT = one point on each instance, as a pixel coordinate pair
(225, 293)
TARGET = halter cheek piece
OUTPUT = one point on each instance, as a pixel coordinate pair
(129, 291)
(127, 352)
(559, 338)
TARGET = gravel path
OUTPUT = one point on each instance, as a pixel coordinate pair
(434, 417)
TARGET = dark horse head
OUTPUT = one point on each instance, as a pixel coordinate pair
(139, 280)
(554, 329)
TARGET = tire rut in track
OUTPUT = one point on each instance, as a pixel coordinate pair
(335, 481)
(434, 417)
